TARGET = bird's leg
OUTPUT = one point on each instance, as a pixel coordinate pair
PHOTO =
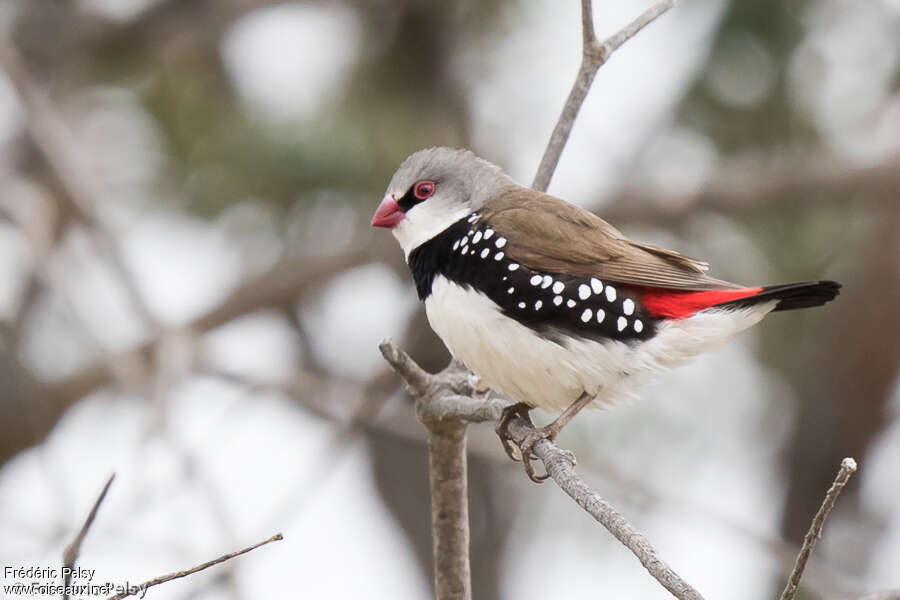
(520, 410)
(549, 432)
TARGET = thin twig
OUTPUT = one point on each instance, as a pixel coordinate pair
(613, 42)
(593, 56)
(142, 588)
(70, 554)
(560, 465)
(848, 467)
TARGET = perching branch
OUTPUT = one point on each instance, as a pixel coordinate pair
(70, 554)
(443, 409)
(437, 397)
(593, 56)
(560, 465)
(848, 467)
(142, 588)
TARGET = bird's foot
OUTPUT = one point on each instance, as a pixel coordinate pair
(524, 451)
(520, 410)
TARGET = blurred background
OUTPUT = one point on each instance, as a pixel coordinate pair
(191, 297)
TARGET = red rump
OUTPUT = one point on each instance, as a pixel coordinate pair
(678, 304)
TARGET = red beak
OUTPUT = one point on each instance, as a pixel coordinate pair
(388, 213)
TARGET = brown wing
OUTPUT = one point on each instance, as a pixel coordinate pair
(547, 234)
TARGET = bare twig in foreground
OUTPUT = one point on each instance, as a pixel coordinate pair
(848, 467)
(593, 56)
(141, 588)
(440, 404)
(70, 554)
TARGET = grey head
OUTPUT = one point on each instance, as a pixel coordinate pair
(434, 188)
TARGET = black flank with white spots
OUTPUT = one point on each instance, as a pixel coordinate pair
(471, 254)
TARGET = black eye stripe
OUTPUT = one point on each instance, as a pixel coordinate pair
(408, 200)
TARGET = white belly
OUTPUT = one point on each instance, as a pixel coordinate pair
(515, 361)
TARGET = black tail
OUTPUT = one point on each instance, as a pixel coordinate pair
(791, 295)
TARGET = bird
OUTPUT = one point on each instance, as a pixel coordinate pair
(547, 303)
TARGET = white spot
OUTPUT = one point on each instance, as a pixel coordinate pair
(570, 303)
(465, 250)
(498, 256)
(505, 278)
(601, 314)
(558, 287)
(586, 315)
(485, 252)
(535, 280)
(456, 244)
(547, 281)
(584, 291)
(638, 326)
(611, 293)
(510, 290)
(557, 300)
(628, 306)
(621, 323)
(501, 241)
(521, 305)
(513, 266)
(473, 218)
(465, 241)
(488, 233)
(596, 285)
(477, 237)
(538, 305)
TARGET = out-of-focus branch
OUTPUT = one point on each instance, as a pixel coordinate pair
(279, 287)
(593, 56)
(848, 467)
(443, 391)
(70, 554)
(142, 588)
(76, 195)
(752, 184)
(885, 595)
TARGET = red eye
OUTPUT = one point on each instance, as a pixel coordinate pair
(423, 189)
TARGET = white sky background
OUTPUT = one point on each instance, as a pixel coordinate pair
(250, 449)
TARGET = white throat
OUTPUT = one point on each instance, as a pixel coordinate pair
(424, 222)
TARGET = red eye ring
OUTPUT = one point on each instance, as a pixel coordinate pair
(423, 189)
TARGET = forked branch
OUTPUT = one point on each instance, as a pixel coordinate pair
(593, 55)
(440, 405)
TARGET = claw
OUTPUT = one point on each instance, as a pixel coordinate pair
(526, 448)
(520, 410)
(548, 432)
